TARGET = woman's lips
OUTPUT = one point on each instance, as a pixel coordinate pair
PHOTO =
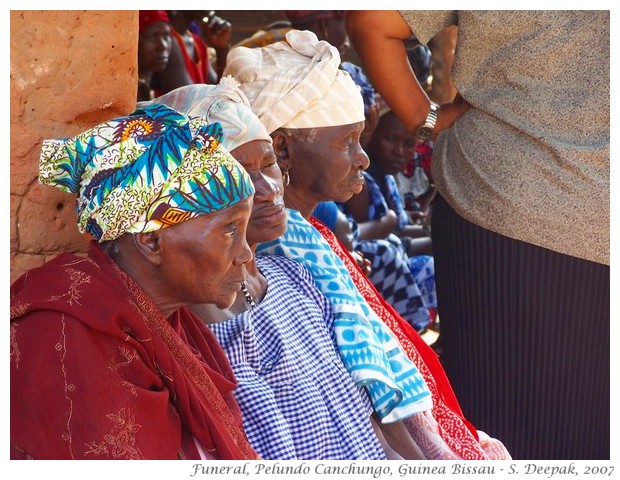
(272, 212)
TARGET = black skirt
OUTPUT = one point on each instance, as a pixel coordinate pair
(524, 340)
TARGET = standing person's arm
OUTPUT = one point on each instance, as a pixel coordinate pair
(377, 36)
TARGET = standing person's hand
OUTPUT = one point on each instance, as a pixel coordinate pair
(378, 37)
(362, 262)
(450, 113)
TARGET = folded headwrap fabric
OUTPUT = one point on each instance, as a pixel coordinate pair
(146, 171)
(224, 103)
(296, 83)
(146, 18)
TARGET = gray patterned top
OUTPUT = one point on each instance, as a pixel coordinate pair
(530, 159)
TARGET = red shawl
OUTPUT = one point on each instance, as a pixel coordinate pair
(97, 372)
(457, 432)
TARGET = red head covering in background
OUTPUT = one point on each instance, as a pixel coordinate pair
(149, 17)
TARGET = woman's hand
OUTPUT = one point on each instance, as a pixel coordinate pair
(450, 113)
(389, 222)
(362, 262)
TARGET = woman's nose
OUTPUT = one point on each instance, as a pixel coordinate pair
(361, 159)
(265, 188)
(245, 253)
(163, 44)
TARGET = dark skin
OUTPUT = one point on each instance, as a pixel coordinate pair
(378, 37)
(325, 164)
(154, 46)
(200, 260)
(267, 222)
(216, 33)
(390, 148)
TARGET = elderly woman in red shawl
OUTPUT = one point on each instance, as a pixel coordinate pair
(106, 362)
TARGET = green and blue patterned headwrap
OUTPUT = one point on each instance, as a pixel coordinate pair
(149, 170)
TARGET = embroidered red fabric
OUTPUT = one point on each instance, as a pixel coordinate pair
(97, 371)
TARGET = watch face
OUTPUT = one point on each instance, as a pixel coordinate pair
(424, 133)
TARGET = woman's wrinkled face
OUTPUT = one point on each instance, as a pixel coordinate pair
(392, 146)
(268, 219)
(154, 46)
(328, 162)
(203, 258)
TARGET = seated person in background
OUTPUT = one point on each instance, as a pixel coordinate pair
(415, 185)
(193, 32)
(379, 212)
(106, 363)
(297, 399)
(314, 113)
(389, 265)
(154, 45)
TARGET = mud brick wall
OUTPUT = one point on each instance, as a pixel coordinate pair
(69, 71)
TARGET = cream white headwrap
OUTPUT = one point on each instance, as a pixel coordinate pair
(224, 103)
(296, 83)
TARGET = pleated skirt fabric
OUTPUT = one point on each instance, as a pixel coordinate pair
(524, 340)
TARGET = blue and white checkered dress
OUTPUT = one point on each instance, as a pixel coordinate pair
(297, 399)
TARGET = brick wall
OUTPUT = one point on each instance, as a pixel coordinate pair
(69, 70)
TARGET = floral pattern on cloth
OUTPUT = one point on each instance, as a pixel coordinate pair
(368, 349)
(146, 171)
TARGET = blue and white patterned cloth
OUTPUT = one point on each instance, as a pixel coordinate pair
(297, 399)
(367, 347)
(381, 197)
(392, 276)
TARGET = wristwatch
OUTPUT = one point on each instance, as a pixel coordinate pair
(425, 131)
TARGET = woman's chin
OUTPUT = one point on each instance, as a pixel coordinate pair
(261, 232)
(265, 233)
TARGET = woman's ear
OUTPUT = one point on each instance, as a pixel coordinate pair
(281, 147)
(149, 245)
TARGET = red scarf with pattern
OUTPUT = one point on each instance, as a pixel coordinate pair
(97, 371)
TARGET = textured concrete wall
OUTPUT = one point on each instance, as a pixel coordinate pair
(69, 71)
